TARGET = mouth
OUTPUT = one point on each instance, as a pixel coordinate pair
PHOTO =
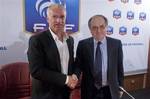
(59, 25)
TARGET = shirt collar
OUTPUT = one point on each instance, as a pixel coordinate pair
(102, 41)
(55, 37)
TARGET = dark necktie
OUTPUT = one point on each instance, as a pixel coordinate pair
(98, 67)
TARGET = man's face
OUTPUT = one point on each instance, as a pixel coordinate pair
(56, 19)
(98, 28)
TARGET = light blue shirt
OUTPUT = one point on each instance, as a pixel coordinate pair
(103, 48)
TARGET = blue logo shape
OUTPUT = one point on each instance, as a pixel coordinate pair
(142, 16)
(124, 1)
(122, 30)
(35, 14)
(116, 14)
(135, 31)
(137, 1)
(110, 30)
(130, 15)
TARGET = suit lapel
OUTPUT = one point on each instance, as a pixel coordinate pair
(109, 48)
(91, 51)
(69, 49)
(69, 46)
(54, 49)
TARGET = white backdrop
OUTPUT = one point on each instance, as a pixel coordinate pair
(135, 47)
(14, 40)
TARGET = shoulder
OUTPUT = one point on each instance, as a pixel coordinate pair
(71, 38)
(113, 40)
(40, 35)
(87, 40)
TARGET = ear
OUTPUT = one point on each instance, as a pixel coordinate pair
(106, 28)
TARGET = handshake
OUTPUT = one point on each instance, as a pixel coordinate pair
(72, 81)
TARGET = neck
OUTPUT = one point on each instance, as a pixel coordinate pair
(61, 35)
(99, 39)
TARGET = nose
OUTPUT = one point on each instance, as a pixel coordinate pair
(99, 29)
(59, 20)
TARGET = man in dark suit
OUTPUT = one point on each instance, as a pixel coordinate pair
(50, 56)
(100, 59)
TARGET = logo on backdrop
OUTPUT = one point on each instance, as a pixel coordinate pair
(117, 14)
(35, 14)
(110, 0)
(122, 30)
(130, 15)
(142, 16)
(137, 1)
(109, 30)
(135, 31)
(124, 1)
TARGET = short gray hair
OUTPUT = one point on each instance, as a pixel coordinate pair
(89, 22)
(55, 6)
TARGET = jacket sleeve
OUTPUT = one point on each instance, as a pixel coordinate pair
(120, 65)
(78, 60)
(36, 57)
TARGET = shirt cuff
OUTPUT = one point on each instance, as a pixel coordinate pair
(67, 79)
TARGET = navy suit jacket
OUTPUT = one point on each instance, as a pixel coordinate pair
(45, 66)
(85, 60)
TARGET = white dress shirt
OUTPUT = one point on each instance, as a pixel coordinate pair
(103, 48)
(63, 52)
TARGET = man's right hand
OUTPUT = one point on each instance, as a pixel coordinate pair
(72, 81)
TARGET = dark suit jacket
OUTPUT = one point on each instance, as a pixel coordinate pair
(84, 63)
(45, 66)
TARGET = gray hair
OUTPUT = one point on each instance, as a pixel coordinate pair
(55, 6)
(89, 22)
